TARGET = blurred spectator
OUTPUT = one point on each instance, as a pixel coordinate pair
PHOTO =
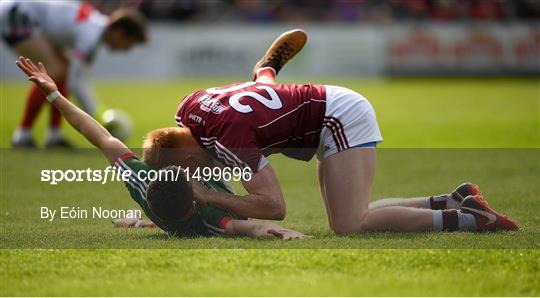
(527, 9)
(338, 11)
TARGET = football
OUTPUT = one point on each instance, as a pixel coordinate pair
(118, 123)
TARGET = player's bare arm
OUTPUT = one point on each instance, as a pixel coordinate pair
(113, 149)
(234, 228)
(264, 201)
(243, 121)
(96, 134)
(254, 229)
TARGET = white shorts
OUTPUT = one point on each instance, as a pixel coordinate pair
(349, 122)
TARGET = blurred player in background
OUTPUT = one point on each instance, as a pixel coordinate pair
(65, 36)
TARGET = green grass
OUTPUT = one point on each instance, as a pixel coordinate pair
(270, 272)
(420, 173)
(62, 257)
(412, 113)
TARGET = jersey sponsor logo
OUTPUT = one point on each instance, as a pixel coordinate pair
(208, 104)
(196, 118)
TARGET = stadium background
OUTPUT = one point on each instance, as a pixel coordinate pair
(347, 38)
(441, 74)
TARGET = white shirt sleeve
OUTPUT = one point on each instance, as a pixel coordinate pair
(79, 86)
(88, 34)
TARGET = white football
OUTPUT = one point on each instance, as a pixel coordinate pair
(118, 123)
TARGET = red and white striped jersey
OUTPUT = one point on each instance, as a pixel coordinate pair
(66, 24)
(244, 122)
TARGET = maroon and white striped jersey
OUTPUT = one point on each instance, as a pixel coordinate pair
(244, 122)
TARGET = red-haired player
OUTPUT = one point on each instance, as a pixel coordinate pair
(168, 203)
(241, 124)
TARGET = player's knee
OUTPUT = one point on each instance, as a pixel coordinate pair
(350, 225)
(345, 229)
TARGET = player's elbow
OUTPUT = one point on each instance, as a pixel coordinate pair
(277, 211)
(279, 216)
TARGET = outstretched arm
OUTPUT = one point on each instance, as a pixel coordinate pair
(255, 229)
(234, 228)
(111, 147)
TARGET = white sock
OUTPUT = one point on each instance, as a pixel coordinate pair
(54, 134)
(437, 220)
(451, 203)
(21, 134)
(425, 203)
(466, 222)
(447, 200)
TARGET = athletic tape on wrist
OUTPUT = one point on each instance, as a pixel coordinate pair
(53, 96)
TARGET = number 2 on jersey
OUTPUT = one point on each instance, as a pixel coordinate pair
(274, 102)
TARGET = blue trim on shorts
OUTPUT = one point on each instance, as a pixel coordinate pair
(369, 144)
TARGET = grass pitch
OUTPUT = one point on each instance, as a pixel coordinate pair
(89, 257)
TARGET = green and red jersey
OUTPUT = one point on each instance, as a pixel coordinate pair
(206, 220)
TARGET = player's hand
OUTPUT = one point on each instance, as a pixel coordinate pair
(287, 234)
(38, 75)
(132, 223)
(200, 193)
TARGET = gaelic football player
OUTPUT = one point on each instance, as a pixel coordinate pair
(242, 123)
(65, 36)
(169, 204)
